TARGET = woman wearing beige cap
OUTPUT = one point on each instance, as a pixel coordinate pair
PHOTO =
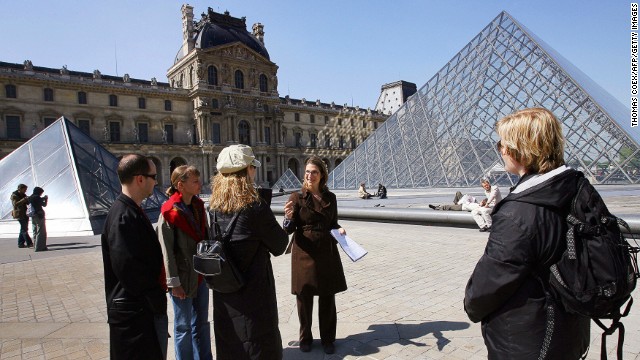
(245, 322)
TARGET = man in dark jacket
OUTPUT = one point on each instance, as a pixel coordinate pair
(508, 290)
(133, 268)
(19, 200)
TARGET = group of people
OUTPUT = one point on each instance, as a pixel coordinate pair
(364, 194)
(25, 207)
(142, 264)
(506, 291)
(481, 212)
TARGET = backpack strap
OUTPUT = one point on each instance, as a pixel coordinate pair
(216, 228)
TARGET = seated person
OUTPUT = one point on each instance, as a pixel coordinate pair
(382, 192)
(460, 203)
(362, 192)
(482, 214)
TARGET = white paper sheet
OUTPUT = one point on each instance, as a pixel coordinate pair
(350, 247)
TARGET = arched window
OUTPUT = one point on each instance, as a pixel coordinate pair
(243, 133)
(239, 79)
(212, 75)
(263, 83)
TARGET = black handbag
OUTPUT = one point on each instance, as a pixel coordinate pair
(212, 261)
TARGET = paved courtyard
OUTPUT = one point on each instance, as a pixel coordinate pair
(404, 299)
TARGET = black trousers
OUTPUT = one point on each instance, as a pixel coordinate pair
(23, 238)
(326, 315)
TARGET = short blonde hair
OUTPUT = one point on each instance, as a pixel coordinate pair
(232, 192)
(533, 137)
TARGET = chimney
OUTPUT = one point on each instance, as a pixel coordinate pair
(258, 32)
(187, 28)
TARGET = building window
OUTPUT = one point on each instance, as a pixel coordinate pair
(215, 135)
(353, 142)
(13, 127)
(143, 132)
(214, 103)
(113, 100)
(375, 125)
(312, 119)
(48, 121)
(327, 141)
(114, 131)
(212, 75)
(364, 124)
(351, 122)
(167, 105)
(48, 94)
(142, 103)
(296, 116)
(326, 120)
(85, 126)
(263, 83)
(239, 79)
(243, 133)
(168, 133)
(339, 122)
(82, 97)
(314, 140)
(341, 144)
(298, 136)
(267, 135)
(10, 91)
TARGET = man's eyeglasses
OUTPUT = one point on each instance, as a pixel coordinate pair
(153, 176)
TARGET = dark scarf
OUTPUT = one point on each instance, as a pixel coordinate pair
(177, 214)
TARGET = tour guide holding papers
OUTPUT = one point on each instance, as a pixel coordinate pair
(316, 269)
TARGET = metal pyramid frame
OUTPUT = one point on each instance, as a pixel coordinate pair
(443, 136)
(77, 173)
(288, 181)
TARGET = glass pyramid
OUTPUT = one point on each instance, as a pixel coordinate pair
(77, 173)
(443, 136)
(288, 181)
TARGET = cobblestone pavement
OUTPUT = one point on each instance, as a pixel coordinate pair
(404, 299)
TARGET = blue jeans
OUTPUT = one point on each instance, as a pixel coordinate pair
(192, 333)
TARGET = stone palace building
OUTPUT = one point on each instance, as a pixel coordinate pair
(222, 89)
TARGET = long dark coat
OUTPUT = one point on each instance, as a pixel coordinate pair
(316, 268)
(133, 277)
(246, 322)
(506, 289)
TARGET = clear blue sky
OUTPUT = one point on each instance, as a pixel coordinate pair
(332, 50)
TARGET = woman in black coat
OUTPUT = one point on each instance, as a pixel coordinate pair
(245, 322)
(508, 288)
(316, 269)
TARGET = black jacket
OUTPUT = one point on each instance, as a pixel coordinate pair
(133, 281)
(246, 322)
(506, 290)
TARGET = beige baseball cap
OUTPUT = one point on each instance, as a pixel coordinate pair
(235, 158)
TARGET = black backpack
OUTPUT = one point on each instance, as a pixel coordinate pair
(599, 269)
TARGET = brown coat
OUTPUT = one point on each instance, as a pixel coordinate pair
(316, 268)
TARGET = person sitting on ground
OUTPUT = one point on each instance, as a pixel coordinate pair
(382, 192)
(460, 203)
(482, 214)
(362, 192)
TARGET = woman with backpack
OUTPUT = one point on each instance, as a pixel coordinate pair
(509, 288)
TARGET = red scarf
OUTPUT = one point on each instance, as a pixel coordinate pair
(174, 211)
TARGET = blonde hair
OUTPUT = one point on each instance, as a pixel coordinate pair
(533, 137)
(181, 173)
(232, 192)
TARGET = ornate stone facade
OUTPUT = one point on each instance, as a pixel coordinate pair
(218, 94)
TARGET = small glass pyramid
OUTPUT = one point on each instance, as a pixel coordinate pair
(443, 136)
(77, 173)
(288, 181)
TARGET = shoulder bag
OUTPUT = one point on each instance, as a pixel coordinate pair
(212, 259)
